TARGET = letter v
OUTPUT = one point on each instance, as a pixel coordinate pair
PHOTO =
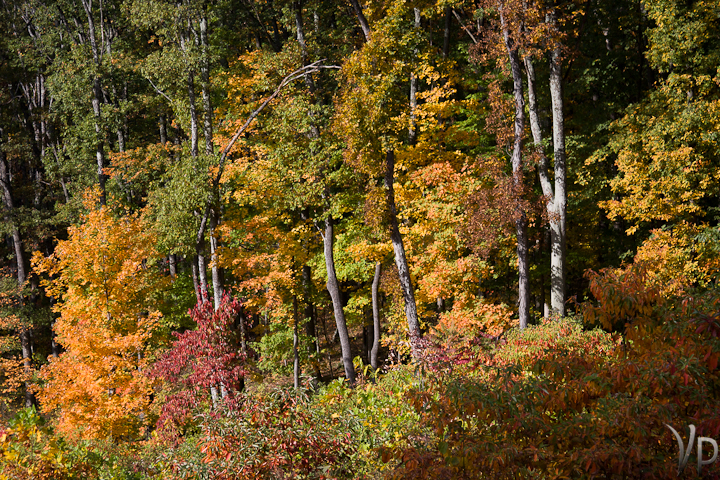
(682, 460)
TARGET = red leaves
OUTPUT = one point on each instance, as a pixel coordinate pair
(201, 359)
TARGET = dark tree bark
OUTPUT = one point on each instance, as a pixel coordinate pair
(376, 317)
(334, 289)
(296, 352)
(362, 20)
(446, 32)
(400, 257)
(97, 100)
(21, 272)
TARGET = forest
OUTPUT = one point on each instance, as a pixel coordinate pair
(359, 239)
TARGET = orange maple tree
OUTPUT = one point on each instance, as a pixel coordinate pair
(104, 281)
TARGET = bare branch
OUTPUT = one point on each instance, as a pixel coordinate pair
(462, 25)
(299, 73)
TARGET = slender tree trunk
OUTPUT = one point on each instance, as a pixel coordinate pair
(54, 347)
(446, 32)
(376, 317)
(215, 270)
(24, 332)
(205, 86)
(172, 263)
(296, 351)
(310, 327)
(557, 223)
(162, 125)
(362, 20)
(96, 101)
(412, 130)
(517, 166)
(193, 115)
(202, 283)
(25, 343)
(196, 280)
(400, 258)
(546, 185)
(202, 269)
(334, 289)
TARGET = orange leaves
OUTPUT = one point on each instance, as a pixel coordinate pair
(105, 286)
(624, 296)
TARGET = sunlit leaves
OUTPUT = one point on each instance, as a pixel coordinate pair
(104, 281)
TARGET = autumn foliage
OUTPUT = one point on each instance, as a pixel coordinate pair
(200, 363)
(339, 240)
(105, 288)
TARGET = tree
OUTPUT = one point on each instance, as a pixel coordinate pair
(106, 288)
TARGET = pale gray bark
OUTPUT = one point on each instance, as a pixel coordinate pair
(517, 166)
(556, 194)
(334, 289)
(205, 87)
(215, 270)
(96, 101)
(193, 115)
(557, 224)
(556, 197)
(172, 264)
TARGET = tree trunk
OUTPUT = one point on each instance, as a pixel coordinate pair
(517, 166)
(446, 33)
(296, 352)
(25, 343)
(196, 280)
(400, 258)
(361, 19)
(172, 264)
(334, 289)
(412, 130)
(310, 327)
(557, 222)
(215, 270)
(193, 115)
(96, 101)
(24, 332)
(376, 317)
(546, 185)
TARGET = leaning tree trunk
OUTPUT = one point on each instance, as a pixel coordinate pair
(364, 25)
(334, 289)
(517, 167)
(401, 259)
